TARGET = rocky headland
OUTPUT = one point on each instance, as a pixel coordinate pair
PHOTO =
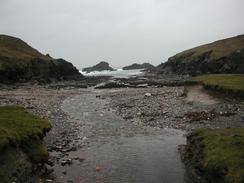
(19, 62)
(223, 56)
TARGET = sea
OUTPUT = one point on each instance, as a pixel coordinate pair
(118, 73)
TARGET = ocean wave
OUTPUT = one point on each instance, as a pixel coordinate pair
(119, 73)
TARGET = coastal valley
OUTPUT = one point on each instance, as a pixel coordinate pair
(181, 121)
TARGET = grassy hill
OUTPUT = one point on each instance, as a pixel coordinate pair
(223, 56)
(12, 47)
(19, 62)
(217, 49)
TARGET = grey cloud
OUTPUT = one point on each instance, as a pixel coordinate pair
(119, 31)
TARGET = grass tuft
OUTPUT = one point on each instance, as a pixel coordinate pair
(231, 83)
(24, 130)
(219, 153)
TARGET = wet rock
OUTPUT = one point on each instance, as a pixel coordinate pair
(70, 181)
(66, 162)
(148, 94)
(50, 162)
(98, 168)
(113, 85)
(142, 85)
(49, 171)
(49, 180)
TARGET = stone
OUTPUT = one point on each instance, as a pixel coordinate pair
(148, 94)
(66, 162)
(49, 180)
(98, 168)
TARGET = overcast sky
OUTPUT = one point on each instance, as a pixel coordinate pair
(121, 32)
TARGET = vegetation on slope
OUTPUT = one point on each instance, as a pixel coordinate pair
(217, 49)
(223, 56)
(19, 62)
(23, 130)
(227, 83)
(12, 47)
(217, 154)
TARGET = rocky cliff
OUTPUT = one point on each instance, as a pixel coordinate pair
(19, 62)
(102, 66)
(223, 56)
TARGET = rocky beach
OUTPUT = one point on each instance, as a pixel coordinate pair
(97, 134)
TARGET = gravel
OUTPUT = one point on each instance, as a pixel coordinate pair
(170, 107)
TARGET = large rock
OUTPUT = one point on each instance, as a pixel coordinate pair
(138, 66)
(21, 62)
(102, 66)
(224, 56)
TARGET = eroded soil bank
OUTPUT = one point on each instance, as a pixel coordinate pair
(122, 135)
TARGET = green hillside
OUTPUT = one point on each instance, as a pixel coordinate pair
(16, 48)
(218, 49)
(220, 57)
(19, 62)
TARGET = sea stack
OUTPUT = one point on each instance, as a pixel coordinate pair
(102, 66)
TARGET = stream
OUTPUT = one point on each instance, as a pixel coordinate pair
(114, 150)
(103, 147)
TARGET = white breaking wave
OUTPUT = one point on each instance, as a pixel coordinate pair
(119, 73)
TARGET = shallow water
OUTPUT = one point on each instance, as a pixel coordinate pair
(115, 150)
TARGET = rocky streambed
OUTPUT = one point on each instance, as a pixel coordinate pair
(124, 134)
(182, 108)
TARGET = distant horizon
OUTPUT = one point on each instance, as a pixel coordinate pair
(85, 32)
